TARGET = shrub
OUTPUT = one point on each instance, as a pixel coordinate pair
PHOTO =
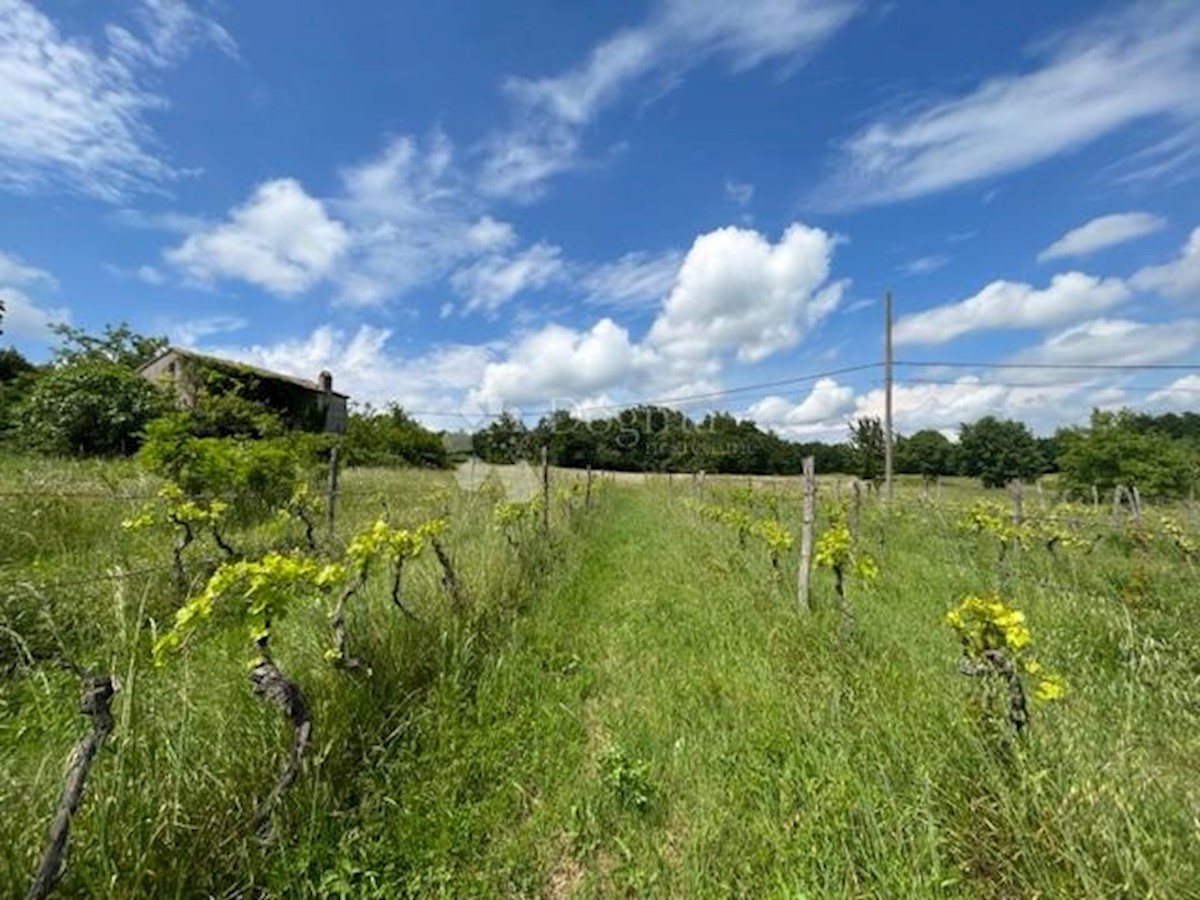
(88, 408)
(256, 477)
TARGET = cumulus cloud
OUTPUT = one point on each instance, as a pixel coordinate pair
(1105, 231)
(1142, 63)
(550, 113)
(1008, 304)
(1180, 279)
(281, 240)
(73, 112)
(827, 402)
(946, 406)
(559, 363)
(736, 292)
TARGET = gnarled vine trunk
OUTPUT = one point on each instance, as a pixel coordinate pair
(275, 687)
(97, 696)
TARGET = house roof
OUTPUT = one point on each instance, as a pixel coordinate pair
(234, 365)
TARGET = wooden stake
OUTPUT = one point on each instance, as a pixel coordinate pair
(888, 441)
(856, 510)
(587, 499)
(331, 491)
(545, 489)
(806, 533)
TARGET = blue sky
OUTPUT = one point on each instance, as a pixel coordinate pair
(470, 206)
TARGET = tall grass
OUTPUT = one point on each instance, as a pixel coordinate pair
(169, 800)
(638, 709)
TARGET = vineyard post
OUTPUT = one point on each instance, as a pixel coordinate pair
(587, 501)
(1118, 495)
(1137, 504)
(331, 491)
(545, 488)
(1095, 497)
(857, 509)
(888, 446)
(806, 533)
(837, 491)
(939, 490)
(1015, 489)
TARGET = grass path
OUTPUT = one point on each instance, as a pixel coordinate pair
(639, 735)
(662, 723)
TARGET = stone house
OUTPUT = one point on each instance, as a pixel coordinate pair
(302, 404)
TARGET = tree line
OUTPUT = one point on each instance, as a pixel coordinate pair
(1158, 453)
(89, 400)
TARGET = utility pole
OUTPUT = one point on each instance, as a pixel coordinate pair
(887, 396)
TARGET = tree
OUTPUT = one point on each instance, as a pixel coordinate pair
(88, 408)
(13, 365)
(997, 451)
(927, 453)
(392, 437)
(504, 441)
(118, 344)
(867, 447)
(1114, 450)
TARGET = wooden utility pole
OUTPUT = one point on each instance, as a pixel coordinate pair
(887, 396)
(806, 533)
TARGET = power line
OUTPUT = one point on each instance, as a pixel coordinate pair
(1167, 389)
(659, 401)
(1114, 367)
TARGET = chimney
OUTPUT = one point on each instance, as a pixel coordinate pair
(325, 382)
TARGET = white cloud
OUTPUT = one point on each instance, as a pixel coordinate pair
(827, 402)
(945, 406)
(73, 116)
(493, 280)
(738, 293)
(923, 265)
(15, 271)
(633, 280)
(1179, 280)
(23, 318)
(190, 332)
(1142, 63)
(1181, 394)
(175, 222)
(281, 239)
(149, 275)
(1008, 304)
(1102, 232)
(1116, 342)
(561, 364)
(550, 113)
(740, 192)
(412, 219)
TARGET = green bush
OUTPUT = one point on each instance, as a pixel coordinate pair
(256, 477)
(88, 408)
(391, 438)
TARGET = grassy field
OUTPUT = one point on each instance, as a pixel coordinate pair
(633, 707)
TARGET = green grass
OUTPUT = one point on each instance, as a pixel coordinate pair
(638, 709)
